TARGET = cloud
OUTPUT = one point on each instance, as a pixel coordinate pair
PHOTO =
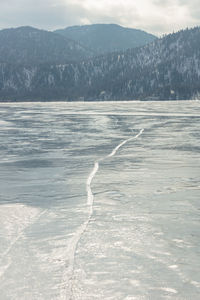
(156, 16)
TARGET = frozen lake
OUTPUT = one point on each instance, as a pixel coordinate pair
(100, 201)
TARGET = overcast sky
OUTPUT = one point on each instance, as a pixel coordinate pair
(154, 16)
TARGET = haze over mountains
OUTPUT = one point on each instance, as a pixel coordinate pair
(105, 38)
(28, 45)
(39, 65)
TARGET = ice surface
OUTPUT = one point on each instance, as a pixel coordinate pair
(94, 207)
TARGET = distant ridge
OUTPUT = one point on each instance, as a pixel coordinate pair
(28, 45)
(105, 38)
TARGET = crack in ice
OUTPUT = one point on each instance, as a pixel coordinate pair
(69, 272)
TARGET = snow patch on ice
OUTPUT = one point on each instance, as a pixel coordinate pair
(14, 219)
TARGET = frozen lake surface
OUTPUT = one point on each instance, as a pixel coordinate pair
(100, 201)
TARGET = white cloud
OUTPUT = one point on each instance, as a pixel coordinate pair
(156, 16)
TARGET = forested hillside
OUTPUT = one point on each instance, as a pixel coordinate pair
(168, 68)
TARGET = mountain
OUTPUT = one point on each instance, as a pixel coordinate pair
(105, 38)
(27, 45)
(168, 68)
